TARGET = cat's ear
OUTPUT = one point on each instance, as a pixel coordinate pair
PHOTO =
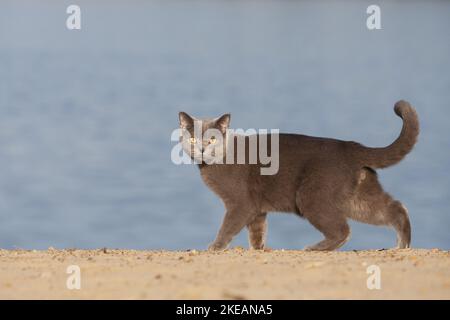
(186, 120)
(223, 122)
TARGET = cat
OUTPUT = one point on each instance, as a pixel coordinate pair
(323, 180)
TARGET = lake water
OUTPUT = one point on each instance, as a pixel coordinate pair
(86, 116)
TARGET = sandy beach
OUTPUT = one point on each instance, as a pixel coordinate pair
(232, 274)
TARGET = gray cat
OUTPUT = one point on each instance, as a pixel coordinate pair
(323, 180)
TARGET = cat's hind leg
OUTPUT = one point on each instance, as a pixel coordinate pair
(336, 232)
(400, 221)
(386, 211)
(257, 230)
(322, 211)
(372, 205)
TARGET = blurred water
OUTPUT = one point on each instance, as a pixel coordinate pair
(86, 116)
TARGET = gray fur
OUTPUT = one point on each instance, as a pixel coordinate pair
(323, 180)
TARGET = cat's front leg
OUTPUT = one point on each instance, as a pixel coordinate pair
(216, 246)
(233, 222)
(257, 230)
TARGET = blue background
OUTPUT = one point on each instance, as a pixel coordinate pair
(86, 116)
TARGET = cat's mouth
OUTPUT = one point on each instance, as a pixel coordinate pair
(205, 159)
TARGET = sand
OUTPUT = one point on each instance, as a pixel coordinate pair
(232, 274)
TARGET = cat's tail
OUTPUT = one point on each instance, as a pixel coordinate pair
(394, 153)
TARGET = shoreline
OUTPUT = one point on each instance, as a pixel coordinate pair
(231, 274)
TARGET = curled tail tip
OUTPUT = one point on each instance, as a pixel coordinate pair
(401, 107)
(396, 151)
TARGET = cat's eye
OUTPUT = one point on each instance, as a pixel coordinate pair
(192, 140)
(212, 140)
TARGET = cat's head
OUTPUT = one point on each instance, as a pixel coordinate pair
(204, 140)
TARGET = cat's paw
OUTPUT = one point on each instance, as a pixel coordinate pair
(216, 247)
(316, 248)
(259, 247)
